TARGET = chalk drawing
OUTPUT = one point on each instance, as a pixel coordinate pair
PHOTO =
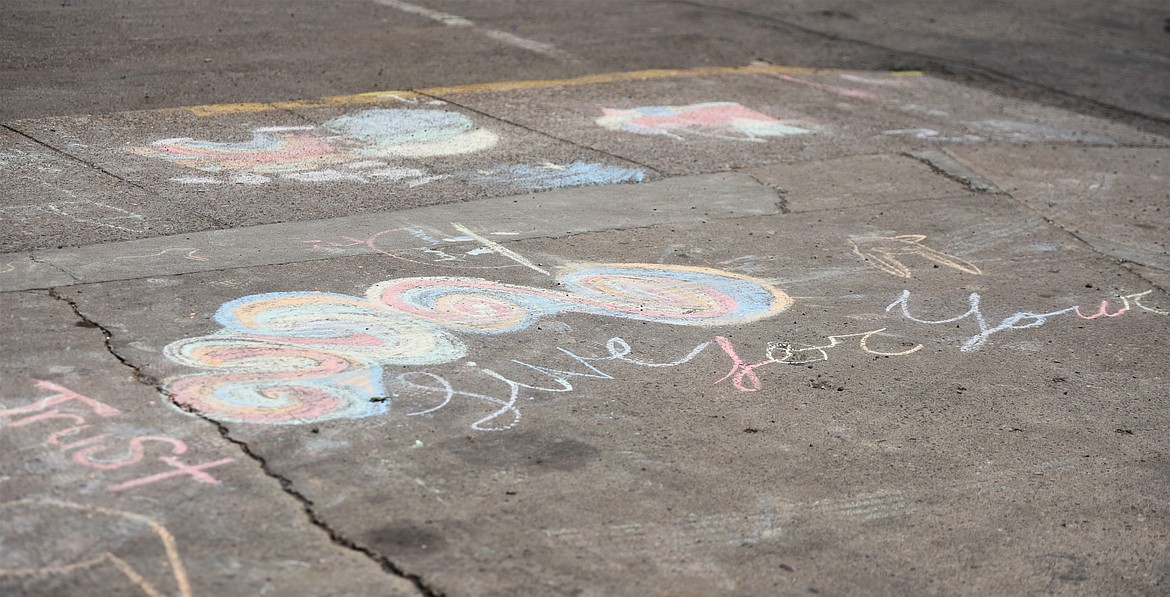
(617, 350)
(1020, 320)
(1003, 130)
(744, 378)
(494, 247)
(834, 89)
(8, 267)
(554, 176)
(94, 451)
(46, 538)
(191, 254)
(350, 148)
(883, 252)
(722, 120)
(933, 135)
(296, 357)
(82, 211)
(448, 252)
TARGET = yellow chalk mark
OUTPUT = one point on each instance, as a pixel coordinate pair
(168, 541)
(883, 252)
(378, 97)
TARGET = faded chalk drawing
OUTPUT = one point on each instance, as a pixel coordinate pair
(723, 120)
(1011, 131)
(48, 538)
(883, 252)
(348, 148)
(467, 250)
(82, 211)
(296, 357)
(191, 254)
(555, 176)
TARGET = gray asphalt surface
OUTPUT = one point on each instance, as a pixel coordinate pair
(87, 57)
(730, 330)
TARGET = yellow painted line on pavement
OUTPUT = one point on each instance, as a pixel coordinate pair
(379, 97)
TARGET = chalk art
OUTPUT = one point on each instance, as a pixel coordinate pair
(82, 211)
(1011, 131)
(555, 176)
(439, 250)
(883, 252)
(296, 357)
(101, 451)
(191, 254)
(348, 148)
(1020, 320)
(722, 120)
(47, 538)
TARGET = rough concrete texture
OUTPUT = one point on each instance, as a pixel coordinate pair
(107, 489)
(862, 363)
(1036, 454)
(1114, 201)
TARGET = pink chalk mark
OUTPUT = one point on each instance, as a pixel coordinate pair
(61, 395)
(741, 371)
(179, 468)
(52, 414)
(1102, 311)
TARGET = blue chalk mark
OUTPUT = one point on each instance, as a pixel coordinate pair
(554, 177)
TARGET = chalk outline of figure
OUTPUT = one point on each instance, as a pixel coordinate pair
(748, 124)
(886, 259)
(374, 133)
(168, 540)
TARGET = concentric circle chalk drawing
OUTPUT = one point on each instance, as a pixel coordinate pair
(352, 147)
(723, 120)
(883, 252)
(298, 357)
(45, 538)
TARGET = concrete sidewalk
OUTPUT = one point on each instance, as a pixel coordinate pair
(747, 331)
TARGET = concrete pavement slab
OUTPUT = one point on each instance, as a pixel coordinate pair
(106, 489)
(48, 199)
(255, 167)
(874, 399)
(752, 117)
(1115, 200)
(438, 235)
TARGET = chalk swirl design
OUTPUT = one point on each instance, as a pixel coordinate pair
(297, 357)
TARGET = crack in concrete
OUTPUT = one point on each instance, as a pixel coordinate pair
(948, 166)
(656, 171)
(123, 180)
(32, 255)
(781, 194)
(285, 483)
